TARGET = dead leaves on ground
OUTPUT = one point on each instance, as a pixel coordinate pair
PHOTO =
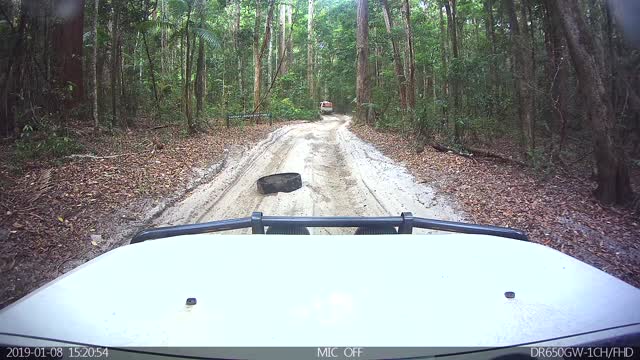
(53, 213)
(558, 211)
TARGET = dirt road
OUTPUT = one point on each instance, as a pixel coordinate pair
(341, 176)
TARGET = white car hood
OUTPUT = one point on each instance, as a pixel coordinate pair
(269, 290)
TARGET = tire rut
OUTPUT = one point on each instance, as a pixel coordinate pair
(341, 176)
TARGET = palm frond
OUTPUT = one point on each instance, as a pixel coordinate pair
(208, 36)
(154, 25)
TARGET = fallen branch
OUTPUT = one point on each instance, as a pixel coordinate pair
(443, 148)
(472, 153)
(90, 156)
(489, 154)
(162, 126)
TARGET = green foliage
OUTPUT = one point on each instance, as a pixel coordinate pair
(389, 121)
(178, 7)
(429, 120)
(489, 126)
(285, 109)
(50, 147)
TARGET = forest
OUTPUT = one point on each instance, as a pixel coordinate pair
(541, 72)
(551, 88)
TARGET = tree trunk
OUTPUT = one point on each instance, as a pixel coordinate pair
(270, 60)
(493, 72)
(529, 78)
(450, 7)
(257, 68)
(310, 49)
(377, 61)
(282, 46)
(128, 91)
(557, 74)
(530, 68)
(363, 89)
(152, 72)
(200, 80)
(200, 67)
(611, 161)
(444, 63)
(258, 52)
(397, 62)
(94, 66)
(290, 37)
(163, 39)
(411, 86)
(68, 45)
(187, 75)
(610, 57)
(238, 51)
(523, 76)
(115, 64)
(9, 87)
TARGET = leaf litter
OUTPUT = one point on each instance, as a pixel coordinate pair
(558, 211)
(58, 214)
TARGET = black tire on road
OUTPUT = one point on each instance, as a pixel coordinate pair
(285, 182)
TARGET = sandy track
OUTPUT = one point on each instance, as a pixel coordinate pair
(341, 175)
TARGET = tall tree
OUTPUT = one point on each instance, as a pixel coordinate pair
(238, 50)
(611, 160)
(450, 6)
(258, 51)
(200, 66)
(191, 126)
(152, 73)
(257, 66)
(493, 72)
(557, 74)
(310, 47)
(523, 75)
(11, 82)
(397, 60)
(411, 85)
(289, 38)
(94, 66)
(282, 44)
(116, 61)
(67, 44)
(270, 59)
(444, 63)
(363, 87)
(164, 38)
